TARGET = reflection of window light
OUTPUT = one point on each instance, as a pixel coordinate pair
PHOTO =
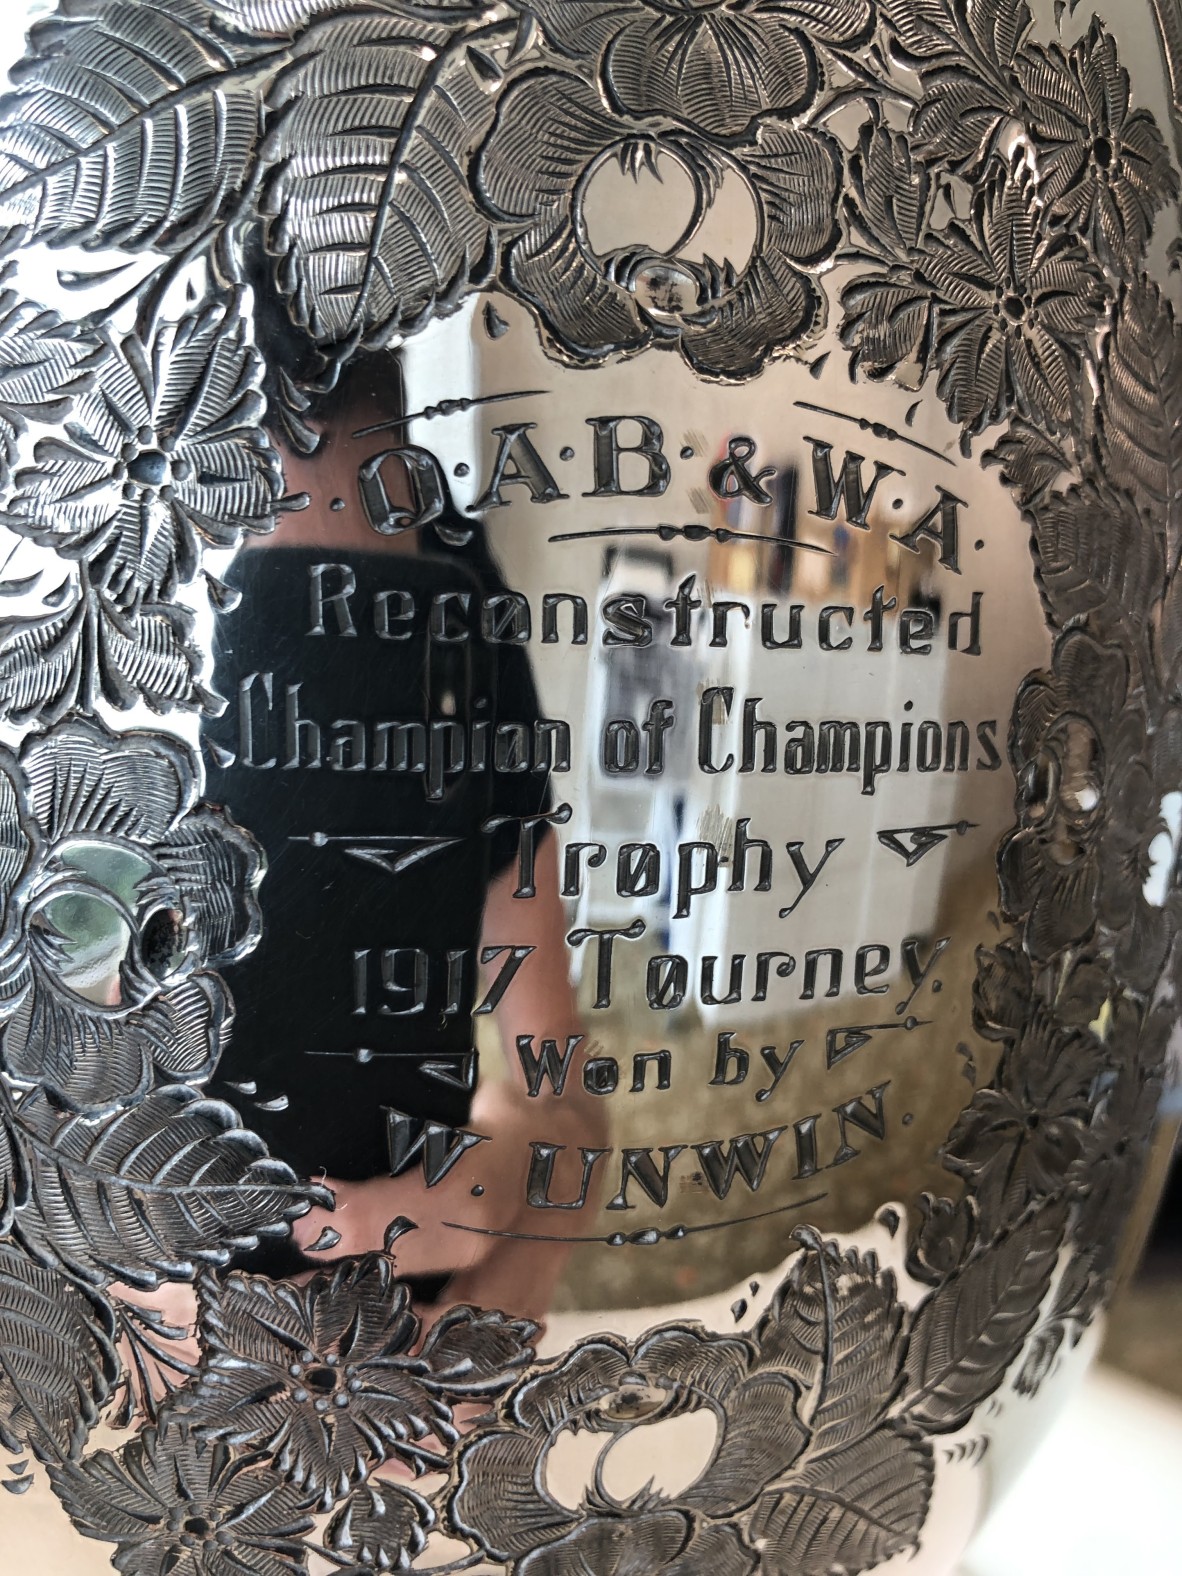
(1163, 852)
(90, 935)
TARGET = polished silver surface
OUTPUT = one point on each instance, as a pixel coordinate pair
(591, 791)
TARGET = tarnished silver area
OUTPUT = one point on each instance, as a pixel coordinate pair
(591, 779)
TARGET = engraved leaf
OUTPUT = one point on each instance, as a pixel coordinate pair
(14, 1190)
(144, 656)
(931, 33)
(133, 123)
(151, 1192)
(1041, 1357)
(58, 1361)
(1097, 555)
(923, 30)
(834, 1325)
(966, 57)
(289, 16)
(888, 321)
(1029, 461)
(1073, 1307)
(969, 1331)
(890, 195)
(85, 648)
(473, 1352)
(44, 363)
(1002, 992)
(175, 1508)
(374, 223)
(381, 1527)
(1140, 409)
(155, 1367)
(42, 668)
(848, 1511)
(277, 16)
(960, 117)
(1168, 636)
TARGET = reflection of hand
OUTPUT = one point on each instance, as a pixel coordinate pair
(458, 1229)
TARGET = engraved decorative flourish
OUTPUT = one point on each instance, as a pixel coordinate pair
(834, 1478)
(1090, 812)
(171, 1505)
(121, 891)
(331, 1378)
(552, 134)
(1001, 308)
(163, 455)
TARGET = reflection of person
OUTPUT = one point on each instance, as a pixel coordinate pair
(326, 1042)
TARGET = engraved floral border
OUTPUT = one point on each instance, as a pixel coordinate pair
(386, 157)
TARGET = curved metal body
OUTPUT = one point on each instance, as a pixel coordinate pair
(590, 672)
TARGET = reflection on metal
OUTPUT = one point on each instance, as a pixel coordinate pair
(529, 714)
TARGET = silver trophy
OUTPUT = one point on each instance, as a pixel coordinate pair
(591, 787)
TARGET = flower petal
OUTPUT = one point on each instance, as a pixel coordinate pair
(550, 125)
(760, 1436)
(568, 1389)
(499, 1499)
(771, 310)
(93, 1061)
(642, 1545)
(84, 779)
(716, 68)
(216, 868)
(590, 316)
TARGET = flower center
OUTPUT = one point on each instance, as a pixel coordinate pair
(194, 1526)
(645, 1453)
(81, 924)
(150, 468)
(1014, 307)
(324, 1382)
(162, 941)
(663, 289)
(1103, 152)
(633, 1401)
